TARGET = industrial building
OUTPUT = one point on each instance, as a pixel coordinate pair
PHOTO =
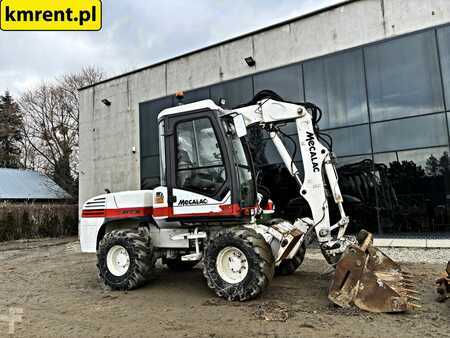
(380, 71)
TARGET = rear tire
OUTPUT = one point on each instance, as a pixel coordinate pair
(125, 258)
(238, 264)
(289, 266)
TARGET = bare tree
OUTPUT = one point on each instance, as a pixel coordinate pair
(51, 126)
(70, 83)
(29, 157)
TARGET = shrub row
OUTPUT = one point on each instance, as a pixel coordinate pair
(34, 220)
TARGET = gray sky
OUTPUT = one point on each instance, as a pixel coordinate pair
(137, 33)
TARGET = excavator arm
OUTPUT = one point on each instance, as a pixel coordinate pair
(364, 276)
(317, 162)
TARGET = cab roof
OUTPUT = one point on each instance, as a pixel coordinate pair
(199, 105)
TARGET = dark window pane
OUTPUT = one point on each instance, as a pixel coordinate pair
(416, 132)
(150, 166)
(444, 49)
(448, 121)
(286, 82)
(199, 158)
(205, 181)
(246, 186)
(197, 145)
(195, 95)
(256, 139)
(234, 92)
(336, 84)
(358, 184)
(148, 124)
(290, 128)
(403, 77)
(420, 181)
(385, 158)
(350, 141)
(269, 154)
(344, 161)
(346, 142)
(424, 158)
(150, 172)
(241, 159)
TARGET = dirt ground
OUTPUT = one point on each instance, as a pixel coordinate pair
(56, 287)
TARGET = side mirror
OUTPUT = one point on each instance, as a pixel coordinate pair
(239, 125)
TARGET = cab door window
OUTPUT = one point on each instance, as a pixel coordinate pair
(244, 168)
(200, 166)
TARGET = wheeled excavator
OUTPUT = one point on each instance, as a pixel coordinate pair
(207, 208)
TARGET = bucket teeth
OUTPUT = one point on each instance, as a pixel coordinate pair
(406, 272)
(414, 306)
(413, 298)
(406, 277)
(409, 278)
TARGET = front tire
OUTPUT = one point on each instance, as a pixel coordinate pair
(289, 266)
(238, 264)
(125, 258)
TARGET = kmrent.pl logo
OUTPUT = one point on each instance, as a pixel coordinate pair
(14, 316)
(50, 15)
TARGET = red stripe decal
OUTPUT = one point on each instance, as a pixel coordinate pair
(227, 210)
(162, 212)
(97, 213)
(118, 213)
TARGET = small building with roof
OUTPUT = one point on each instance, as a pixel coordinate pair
(18, 185)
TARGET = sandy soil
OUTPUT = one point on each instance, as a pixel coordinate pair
(56, 286)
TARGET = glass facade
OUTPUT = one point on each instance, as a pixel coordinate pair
(337, 85)
(286, 82)
(148, 125)
(403, 77)
(386, 105)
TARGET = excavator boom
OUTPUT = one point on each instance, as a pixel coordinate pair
(364, 277)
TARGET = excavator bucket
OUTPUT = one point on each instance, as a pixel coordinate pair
(443, 285)
(367, 278)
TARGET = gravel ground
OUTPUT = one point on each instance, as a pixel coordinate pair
(435, 256)
(407, 255)
(55, 288)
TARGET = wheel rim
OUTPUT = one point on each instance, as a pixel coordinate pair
(118, 260)
(232, 265)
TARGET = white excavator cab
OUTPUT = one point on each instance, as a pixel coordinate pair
(206, 167)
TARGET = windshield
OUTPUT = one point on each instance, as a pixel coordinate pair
(242, 161)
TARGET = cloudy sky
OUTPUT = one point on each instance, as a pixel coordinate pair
(137, 33)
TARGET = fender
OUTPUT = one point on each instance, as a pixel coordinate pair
(126, 222)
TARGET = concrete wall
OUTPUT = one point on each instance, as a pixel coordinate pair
(108, 134)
